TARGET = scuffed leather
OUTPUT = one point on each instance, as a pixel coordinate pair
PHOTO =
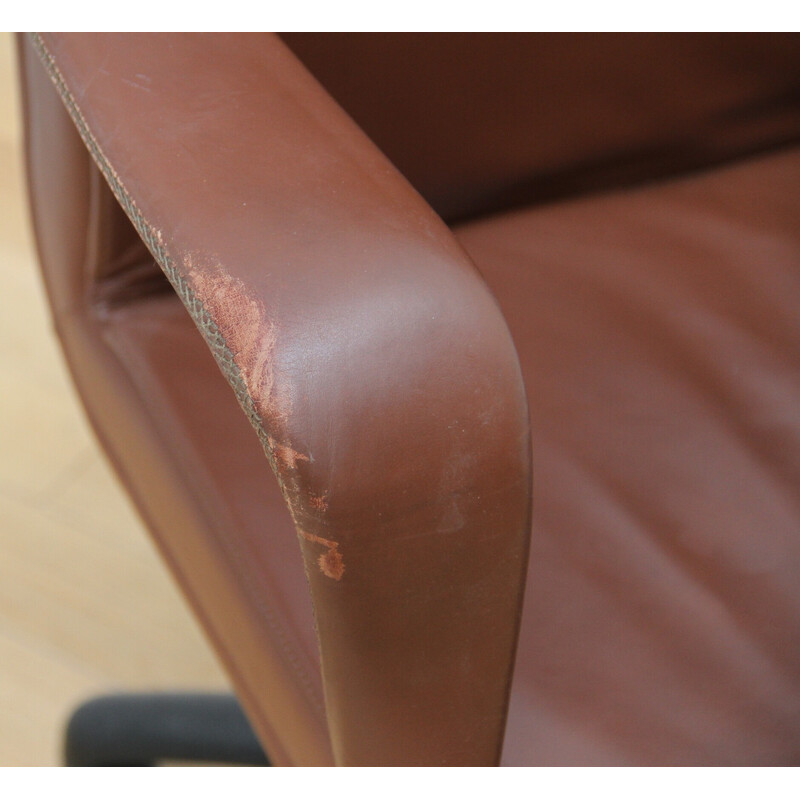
(367, 352)
(655, 328)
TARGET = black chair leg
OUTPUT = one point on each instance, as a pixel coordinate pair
(127, 730)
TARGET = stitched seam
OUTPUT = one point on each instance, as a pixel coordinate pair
(152, 238)
(197, 311)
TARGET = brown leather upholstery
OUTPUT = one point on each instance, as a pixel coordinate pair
(655, 328)
(479, 122)
(659, 335)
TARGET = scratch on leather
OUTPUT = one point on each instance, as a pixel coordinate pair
(330, 562)
(286, 455)
(206, 324)
(244, 351)
(250, 336)
(251, 339)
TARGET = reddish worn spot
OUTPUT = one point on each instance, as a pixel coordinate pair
(251, 338)
(247, 331)
(286, 456)
(318, 502)
(331, 562)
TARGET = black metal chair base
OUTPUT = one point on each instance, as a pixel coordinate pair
(144, 730)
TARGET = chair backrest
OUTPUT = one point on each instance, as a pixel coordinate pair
(483, 122)
(486, 122)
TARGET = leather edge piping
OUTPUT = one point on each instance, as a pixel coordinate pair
(155, 244)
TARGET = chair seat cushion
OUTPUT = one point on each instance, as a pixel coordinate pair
(659, 334)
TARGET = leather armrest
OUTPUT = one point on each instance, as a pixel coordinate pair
(366, 351)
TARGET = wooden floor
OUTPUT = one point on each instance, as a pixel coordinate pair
(85, 604)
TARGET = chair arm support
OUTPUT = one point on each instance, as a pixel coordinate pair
(364, 347)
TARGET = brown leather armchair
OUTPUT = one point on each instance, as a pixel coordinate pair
(631, 201)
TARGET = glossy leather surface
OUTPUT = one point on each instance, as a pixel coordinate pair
(654, 329)
(659, 335)
(373, 363)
